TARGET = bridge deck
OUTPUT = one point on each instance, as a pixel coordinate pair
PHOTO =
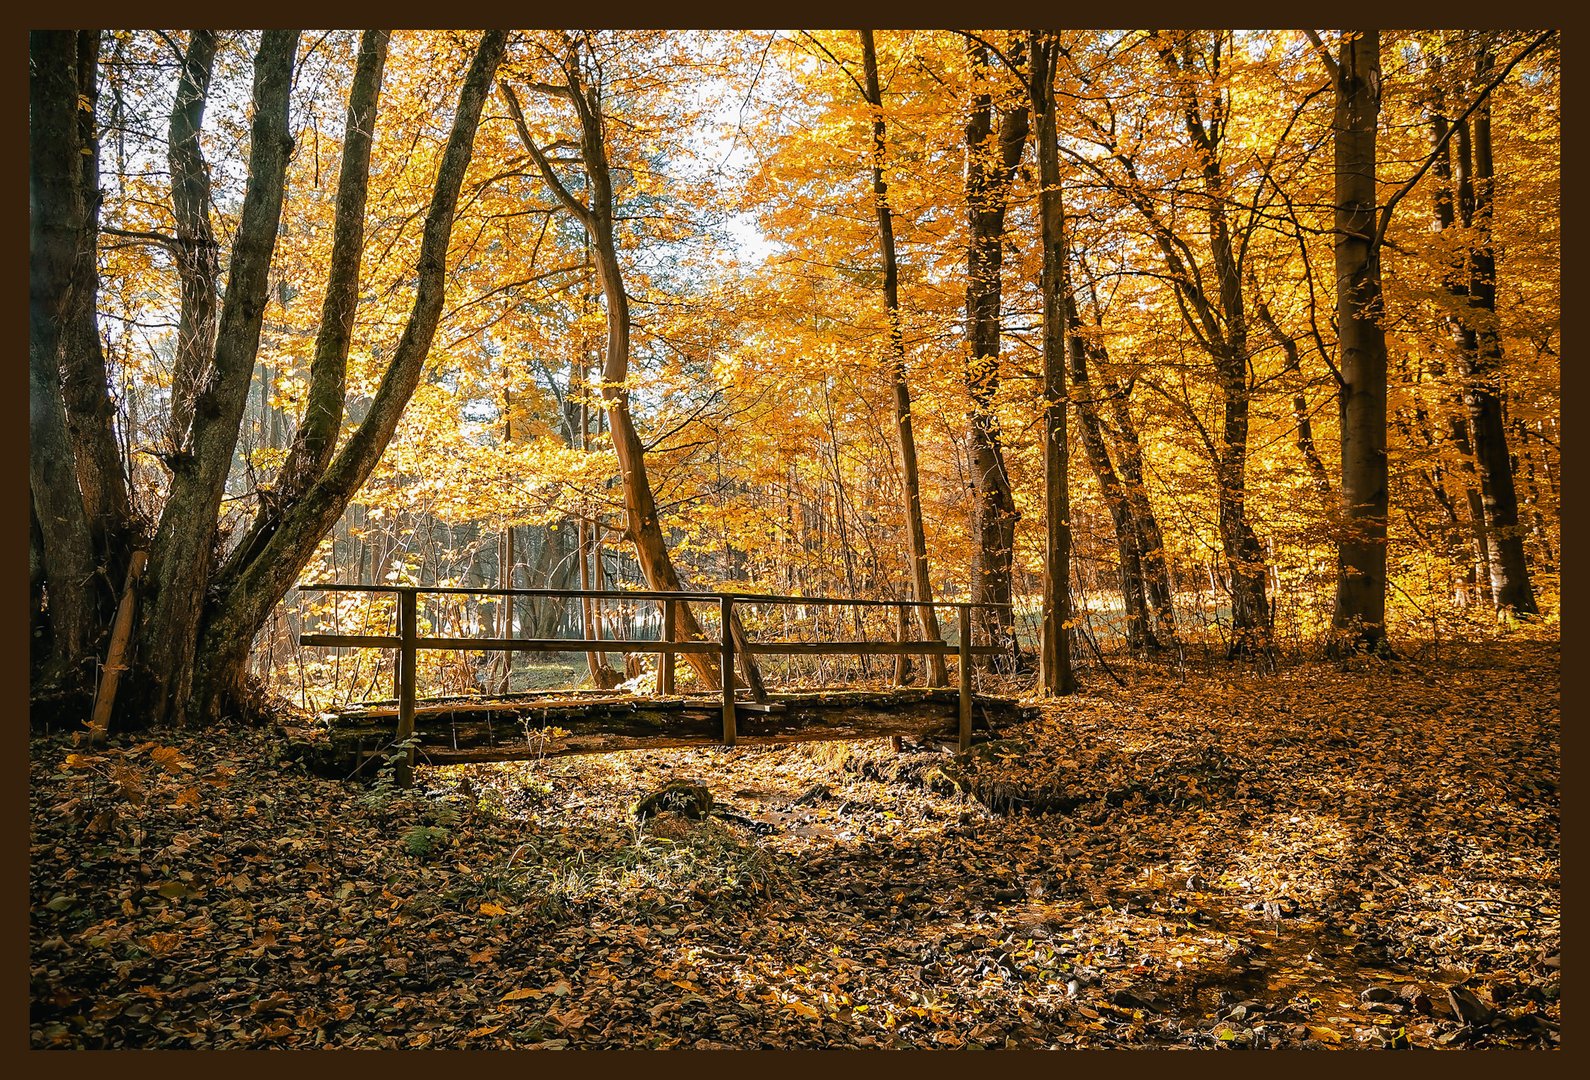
(532, 727)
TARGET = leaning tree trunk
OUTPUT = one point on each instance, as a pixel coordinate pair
(1150, 538)
(1054, 658)
(927, 617)
(642, 524)
(1359, 619)
(990, 164)
(254, 588)
(1134, 600)
(1450, 192)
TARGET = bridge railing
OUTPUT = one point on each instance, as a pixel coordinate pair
(408, 640)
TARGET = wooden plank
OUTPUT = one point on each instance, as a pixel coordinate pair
(761, 706)
(116, 656)
(871, 648)
(605, 645)
(352, 641)
(770, 648)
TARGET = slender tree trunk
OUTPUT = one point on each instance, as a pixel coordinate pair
(1451, 190)
(1224, 329)
(1359, 619)
(927, 618)
(1134, 601)
(1054, 658)
(990, 164)
(640, 505)
(198, 256)
(1300, 412)
(1150, 540)
(1482, 390)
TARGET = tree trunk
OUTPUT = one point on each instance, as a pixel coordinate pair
(198, 256)
(1134, 601)
(1221, 323)
(640, 505)
(927, 617)
(1150, 540)
(57, 237)
(990, 165)
(85, 386)
(1359, 619)
(1449, 191)
(1482, 389)
(182, 558)
(1054, 659)
(257, 587)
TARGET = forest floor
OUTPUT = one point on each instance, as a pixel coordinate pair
(1328, 856)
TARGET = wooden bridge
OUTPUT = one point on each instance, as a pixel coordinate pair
(564, 722)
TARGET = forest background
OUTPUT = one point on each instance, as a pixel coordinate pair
(334, 306)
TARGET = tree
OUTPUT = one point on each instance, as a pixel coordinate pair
(201, 614)
(991, 161)
(1359, 619)
(1054, 661)
(595, 213)
(60, 289)
(927, 618)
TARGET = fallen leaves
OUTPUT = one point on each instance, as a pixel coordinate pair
(1245, 861)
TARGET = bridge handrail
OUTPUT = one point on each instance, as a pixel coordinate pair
(408, 641)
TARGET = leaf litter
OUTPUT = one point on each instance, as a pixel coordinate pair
(1329, 856)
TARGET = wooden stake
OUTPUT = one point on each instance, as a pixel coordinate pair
(726, 606)
(964, 653)
(116, 658)
(408, 633)
(665, 667)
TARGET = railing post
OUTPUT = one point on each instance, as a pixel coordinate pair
(407, 675)
(726, 608)
(964, 652)
(665, 666)
(902, 662)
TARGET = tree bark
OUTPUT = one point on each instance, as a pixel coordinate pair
(990, 165)
(922, 587)
(198, 256)
(1359, 619)
(85, 386)
(1054, 660)
(56, 238)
